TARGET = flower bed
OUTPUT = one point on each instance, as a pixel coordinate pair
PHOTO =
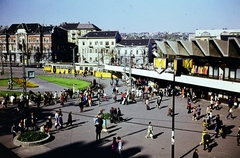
(28, 84)
(31, 138)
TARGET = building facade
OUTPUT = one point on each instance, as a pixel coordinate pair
(98, 47)
(32, 43)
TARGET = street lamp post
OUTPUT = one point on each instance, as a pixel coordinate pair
(10, 64)
(74, 69)
(173, 116)
(1, 55)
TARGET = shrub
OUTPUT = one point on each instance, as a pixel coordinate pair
(31, 136)
(107, 116)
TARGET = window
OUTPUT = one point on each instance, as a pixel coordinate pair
(226, 74)
(215, 72)
(96, 50)
(95, 58)
(232, 73)
(101, 43)
(90, 50)
(238, 74)
(90, 59)
(210, 71)
(90, 43)
(96, 42)
(106, 43)
(112, 43)
(83, 43)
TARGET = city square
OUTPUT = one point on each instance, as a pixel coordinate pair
(79, 140)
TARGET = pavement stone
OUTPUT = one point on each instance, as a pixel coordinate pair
(79, 140)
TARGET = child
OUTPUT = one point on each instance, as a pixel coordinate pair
(170, 111)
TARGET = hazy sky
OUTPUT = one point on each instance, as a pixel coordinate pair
(126, 15)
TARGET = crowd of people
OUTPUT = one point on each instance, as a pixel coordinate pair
(141, 90)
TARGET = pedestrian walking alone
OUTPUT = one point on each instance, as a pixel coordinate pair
(98, 125)
(69, 121)
(149, 131)
(230, 110)
(195, 154)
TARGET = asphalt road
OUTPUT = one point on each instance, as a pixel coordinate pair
(79, 140)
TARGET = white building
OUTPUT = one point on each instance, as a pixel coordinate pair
(98, 46)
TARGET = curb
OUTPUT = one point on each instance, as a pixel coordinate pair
(28, 144)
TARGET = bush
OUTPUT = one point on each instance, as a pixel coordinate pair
(31, 136)
(107, 116)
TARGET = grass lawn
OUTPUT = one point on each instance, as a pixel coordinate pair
(10, 93)
(66, 82)
(4, 83)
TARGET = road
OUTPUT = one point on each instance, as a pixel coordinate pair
(79, 140)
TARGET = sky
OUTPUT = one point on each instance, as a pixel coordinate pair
(126, 16)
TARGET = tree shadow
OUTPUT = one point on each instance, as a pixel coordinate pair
(131, 151)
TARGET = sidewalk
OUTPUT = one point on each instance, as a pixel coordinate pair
(79, 139)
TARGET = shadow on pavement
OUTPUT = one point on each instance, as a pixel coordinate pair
(5, 152)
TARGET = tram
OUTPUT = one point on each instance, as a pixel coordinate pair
(80, 68)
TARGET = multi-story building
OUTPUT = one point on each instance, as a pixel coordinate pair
(98, 46)
(77, 29)
(38, 43)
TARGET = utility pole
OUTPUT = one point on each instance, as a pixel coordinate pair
(10, 64)
(130, 70)
(173, 116)
(74, 69)
(2, 72)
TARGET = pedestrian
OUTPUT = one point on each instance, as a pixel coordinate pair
(194, 117)
(198, 110)
(208, 109)
(14, 130)
(238, 136)
(189, 104)
(56, 119)
(147, 104)
(98, 125)
(230, 102)
(114, 147)
(120, 146)
(49, 124)
(60, 122)
(149, 131)
(69, 121)
(159, 100)
(170, 111)
(195, 154)
(212, 101)
(230, 110)
(206, 141)
(218, 125)
(119, 114)
(80, 104)
(203, 133)
(33, 121)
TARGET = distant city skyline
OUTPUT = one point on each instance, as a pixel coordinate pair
(126, 16)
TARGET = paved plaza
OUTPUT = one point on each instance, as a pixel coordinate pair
(79, 140)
